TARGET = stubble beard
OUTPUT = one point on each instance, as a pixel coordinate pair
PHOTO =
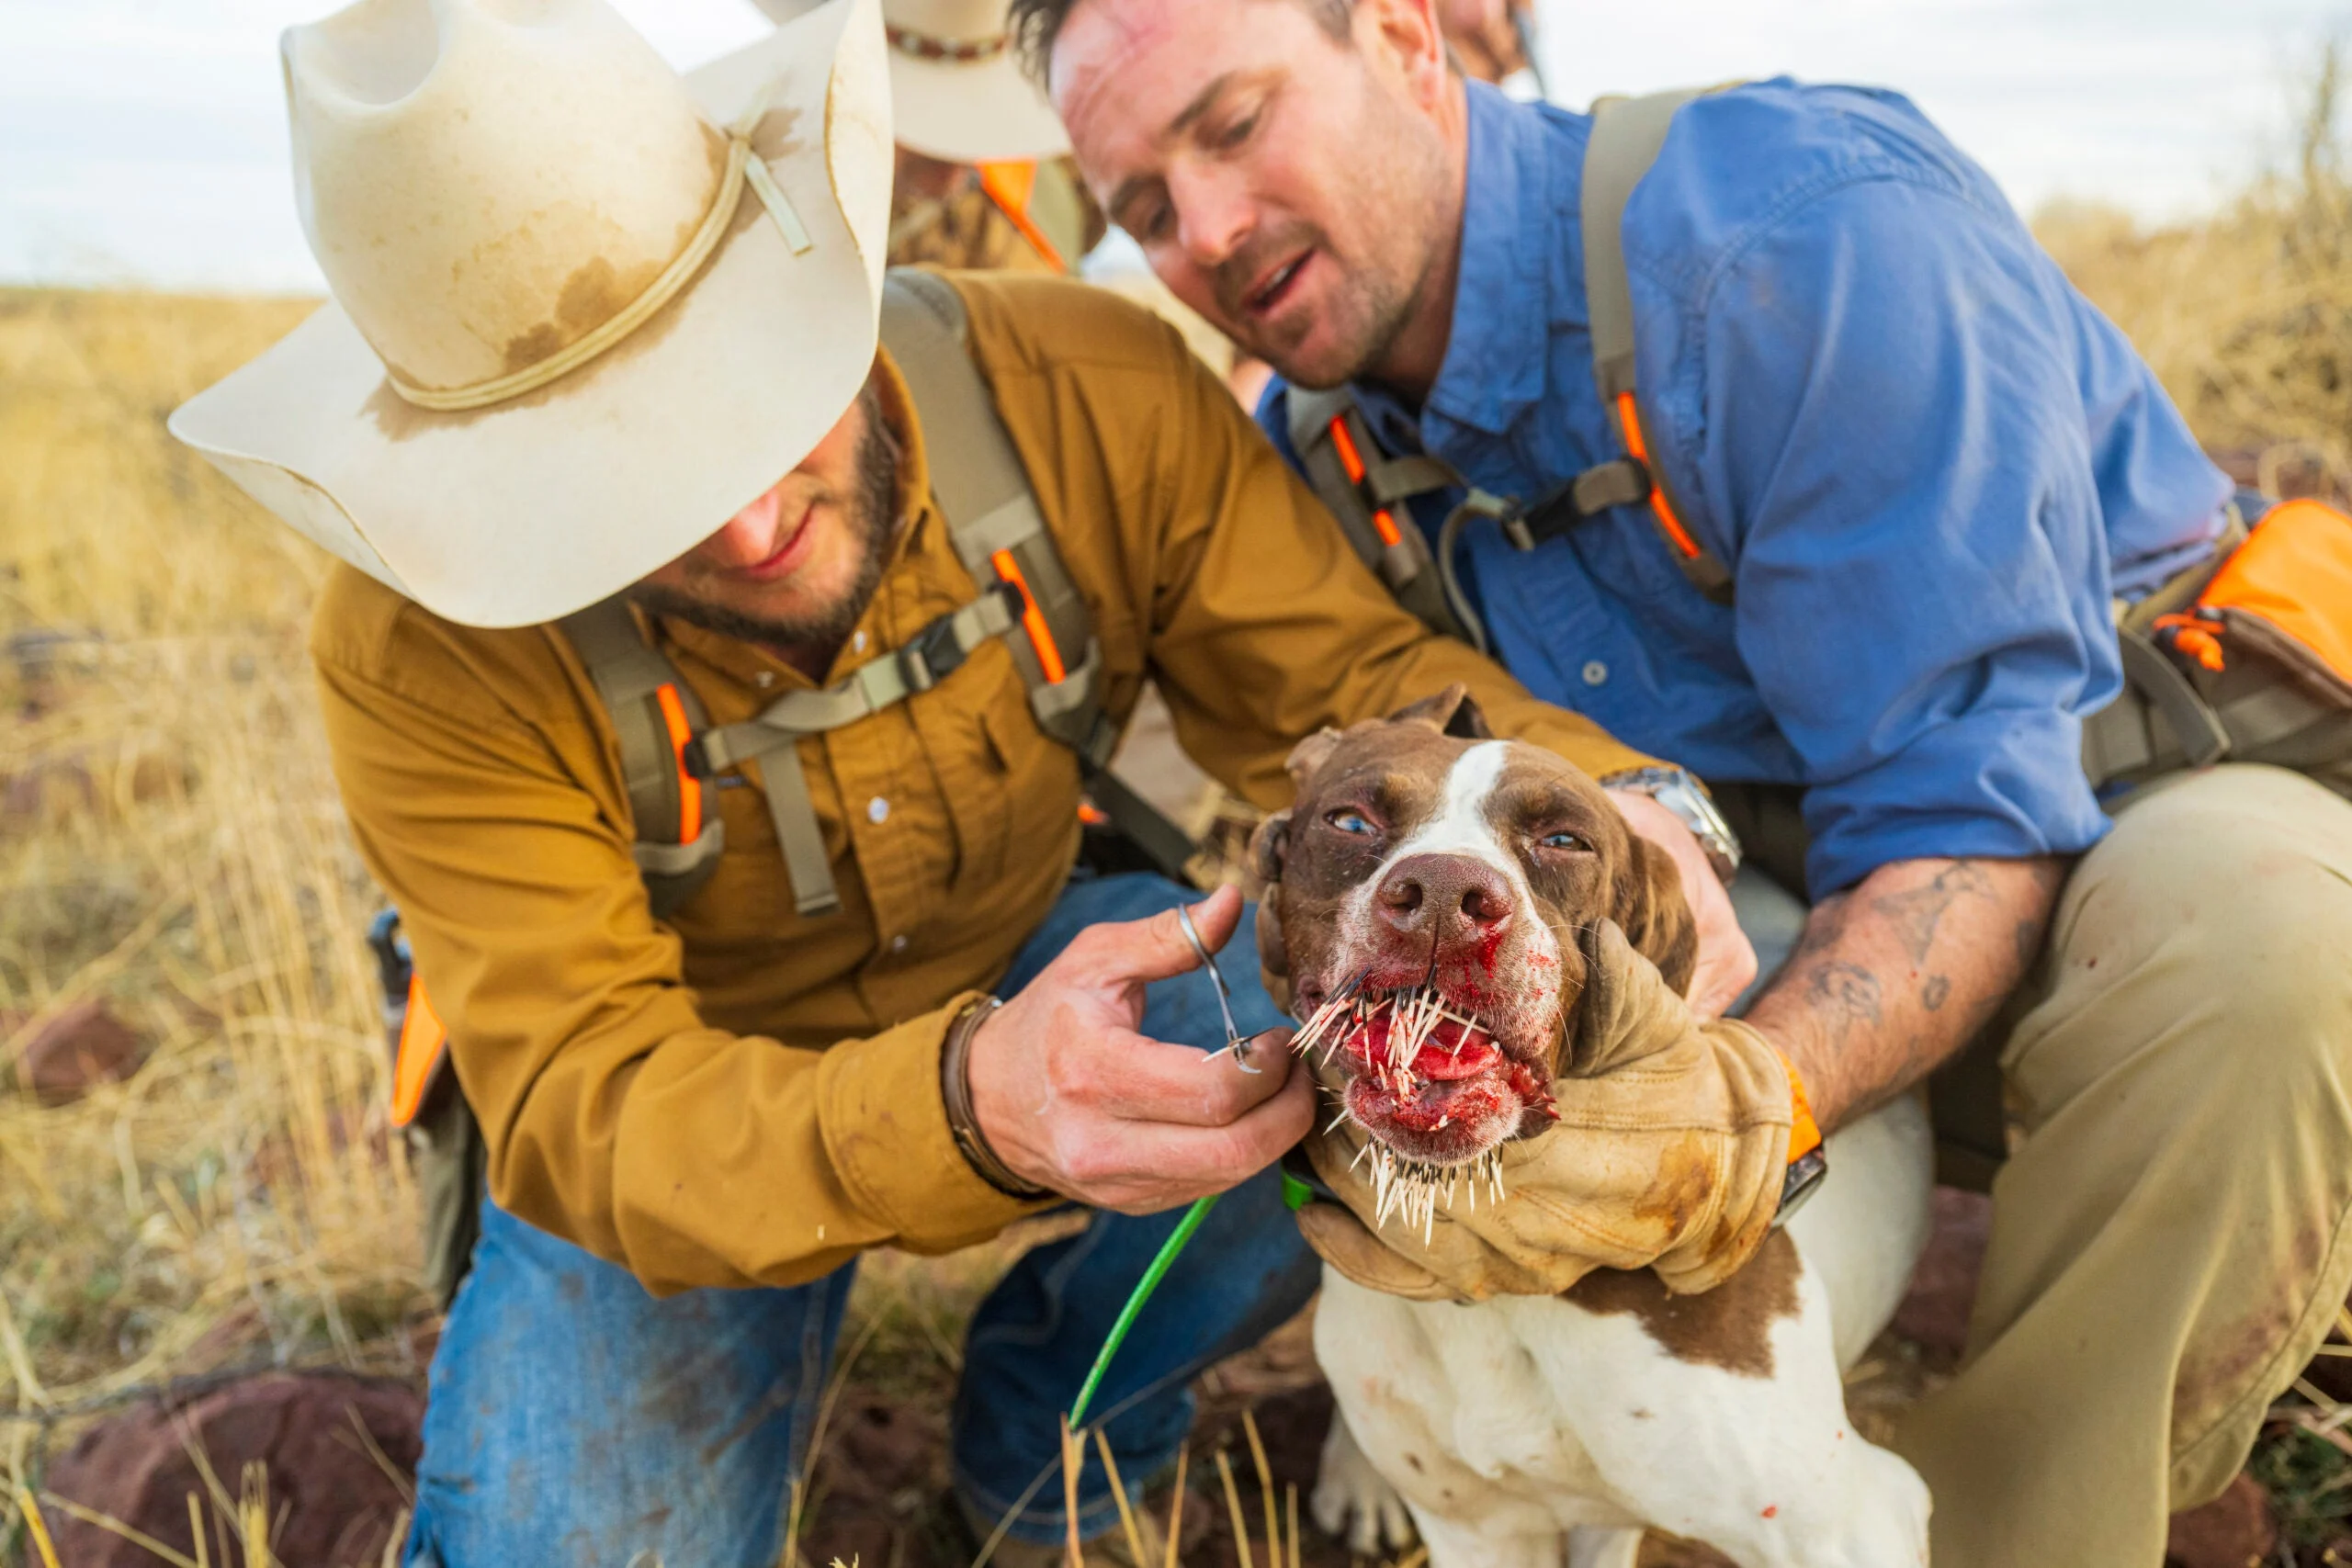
(1376, 299)
(871, 512)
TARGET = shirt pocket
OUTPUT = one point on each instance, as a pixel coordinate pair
(1033, 779)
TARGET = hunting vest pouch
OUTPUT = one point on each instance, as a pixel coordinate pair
(2257, 668)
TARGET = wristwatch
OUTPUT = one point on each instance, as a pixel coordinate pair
(1675, 789)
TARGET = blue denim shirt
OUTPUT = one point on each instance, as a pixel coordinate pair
(1929, 462)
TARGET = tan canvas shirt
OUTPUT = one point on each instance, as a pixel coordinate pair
(742, 1096)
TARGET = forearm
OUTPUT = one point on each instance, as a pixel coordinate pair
(1896, 975)
(729, 1160)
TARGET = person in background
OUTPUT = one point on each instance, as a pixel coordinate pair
(982, 181)
(1856, 555)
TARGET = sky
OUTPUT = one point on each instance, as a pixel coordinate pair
(142, 142)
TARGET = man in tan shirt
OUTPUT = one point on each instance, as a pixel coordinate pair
(694, 1124)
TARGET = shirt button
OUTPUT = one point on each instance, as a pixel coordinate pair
(898, 944)
(877, 811)
(857, 642)
(765, 677)
(1595, 672)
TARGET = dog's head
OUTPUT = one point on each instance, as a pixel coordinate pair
(1437, 877)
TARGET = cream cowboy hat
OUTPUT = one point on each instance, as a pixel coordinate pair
(957, 89)
(585, 309)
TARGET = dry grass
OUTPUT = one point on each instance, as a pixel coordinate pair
(2246, 317)
(170, 839)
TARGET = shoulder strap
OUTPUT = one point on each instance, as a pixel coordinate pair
(992, 519)
(655, 716)
(991, 514)
(1365, 490)
(1627, 135)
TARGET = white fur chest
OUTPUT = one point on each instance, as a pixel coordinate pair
(1523, 1427)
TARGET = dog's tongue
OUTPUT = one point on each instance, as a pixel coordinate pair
(1453, 1051)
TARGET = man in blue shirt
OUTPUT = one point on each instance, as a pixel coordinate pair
(1931, 467)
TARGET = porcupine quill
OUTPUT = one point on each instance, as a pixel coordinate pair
(1407, 1188)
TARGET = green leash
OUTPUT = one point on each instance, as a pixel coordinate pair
(1295, 1196)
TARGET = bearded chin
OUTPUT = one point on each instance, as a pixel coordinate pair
(871, 515)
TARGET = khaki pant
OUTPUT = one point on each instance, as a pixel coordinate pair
(2170, 1238)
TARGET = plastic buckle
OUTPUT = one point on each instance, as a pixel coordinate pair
(1518, 530)
(929, 656)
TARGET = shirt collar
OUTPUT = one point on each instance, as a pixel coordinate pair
(1492, 371)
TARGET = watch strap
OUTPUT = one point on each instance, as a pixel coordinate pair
(1808, 1159)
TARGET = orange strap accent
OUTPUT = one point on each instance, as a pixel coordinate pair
(2295, 571)
(422, 1039)
(1009, 186)
(1033, 620)
(1092, 815)
(1805, 1132)
(1351, 461)
(2199, 639)
(682, 734)
(1631, 422)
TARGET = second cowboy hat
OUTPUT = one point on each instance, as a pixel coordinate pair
(957, 89)
(585, 309)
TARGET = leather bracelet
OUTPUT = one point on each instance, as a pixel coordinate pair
(956, 1093)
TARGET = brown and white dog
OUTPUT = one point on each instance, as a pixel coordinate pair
(1424, 855)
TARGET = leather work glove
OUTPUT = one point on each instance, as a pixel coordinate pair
(1671, 1151)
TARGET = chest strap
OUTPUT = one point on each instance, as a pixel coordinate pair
(773, 736)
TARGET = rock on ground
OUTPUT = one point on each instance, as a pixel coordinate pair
(76, 1052)
(2233, 1530)
(1934, 1315)
(338, 1452)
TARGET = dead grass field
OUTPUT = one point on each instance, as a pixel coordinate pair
(170, 844)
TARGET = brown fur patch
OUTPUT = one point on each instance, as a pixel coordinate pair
(1730, 1326)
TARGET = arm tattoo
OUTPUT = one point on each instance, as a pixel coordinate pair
(1848, 990)
(1891, 979)
(1913, 915)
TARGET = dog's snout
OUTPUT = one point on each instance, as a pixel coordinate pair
(1453, 895)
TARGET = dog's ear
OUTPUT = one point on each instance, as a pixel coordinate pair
(1453, 713)
(1269, 848)
(1655, 916)
(1309, 755)
(1273, 958)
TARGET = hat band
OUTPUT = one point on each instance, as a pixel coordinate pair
(929, 46)
(743, 168)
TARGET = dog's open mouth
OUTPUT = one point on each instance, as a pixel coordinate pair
(1428, 1081)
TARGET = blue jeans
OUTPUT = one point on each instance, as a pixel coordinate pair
(574, 1418)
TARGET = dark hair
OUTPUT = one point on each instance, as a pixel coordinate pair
(1034, 25)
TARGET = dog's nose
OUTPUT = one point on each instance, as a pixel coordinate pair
(1454, 896)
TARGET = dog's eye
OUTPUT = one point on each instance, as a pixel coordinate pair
(1347, 821)
(1562, 842)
